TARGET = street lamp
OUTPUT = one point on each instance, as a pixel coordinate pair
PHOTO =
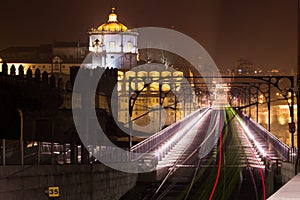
(21, 136)
(289, 96)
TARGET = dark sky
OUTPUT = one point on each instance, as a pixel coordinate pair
(263, 31)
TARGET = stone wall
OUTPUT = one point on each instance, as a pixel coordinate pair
(94, 181)
(287, 171)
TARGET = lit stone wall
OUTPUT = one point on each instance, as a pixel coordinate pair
(149, 98)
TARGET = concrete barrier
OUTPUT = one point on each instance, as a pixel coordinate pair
(94, 181)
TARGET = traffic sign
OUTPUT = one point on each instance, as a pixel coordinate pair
(53, 191)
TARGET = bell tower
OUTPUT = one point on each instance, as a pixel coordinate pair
(111, 42)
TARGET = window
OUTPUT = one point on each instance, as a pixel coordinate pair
(129, 46)
(126, 116)
(56, 66)
(112, 46)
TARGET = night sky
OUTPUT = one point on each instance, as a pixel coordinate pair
(262, 31)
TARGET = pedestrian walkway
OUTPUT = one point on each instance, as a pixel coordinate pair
(290, 191)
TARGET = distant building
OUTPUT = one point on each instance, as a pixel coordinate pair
(52, 58)
(244, 67)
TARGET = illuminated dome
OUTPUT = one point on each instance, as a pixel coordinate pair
(112, 24)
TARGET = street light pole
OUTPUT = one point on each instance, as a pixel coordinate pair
(289, 96)
(291, 107)
(269, 106)
(133, 95)
(130, 104)
(161, 97)
(21, 136)
(3, 152)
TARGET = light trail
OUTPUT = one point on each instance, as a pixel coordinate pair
(250, 135)
(219, 164)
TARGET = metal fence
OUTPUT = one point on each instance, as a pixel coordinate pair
(163, 136)
(281, 148)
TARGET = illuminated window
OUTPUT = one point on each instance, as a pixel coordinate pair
(119, 86)
(129, 46)
(126, 116)
(120, 75)
(166, 74)
(56, 65)
(112, 46)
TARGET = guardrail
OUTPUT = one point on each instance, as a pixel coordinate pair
(162, 136)
(281, 148)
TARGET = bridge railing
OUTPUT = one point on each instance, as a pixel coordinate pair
(162, 136)
(281, 148)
